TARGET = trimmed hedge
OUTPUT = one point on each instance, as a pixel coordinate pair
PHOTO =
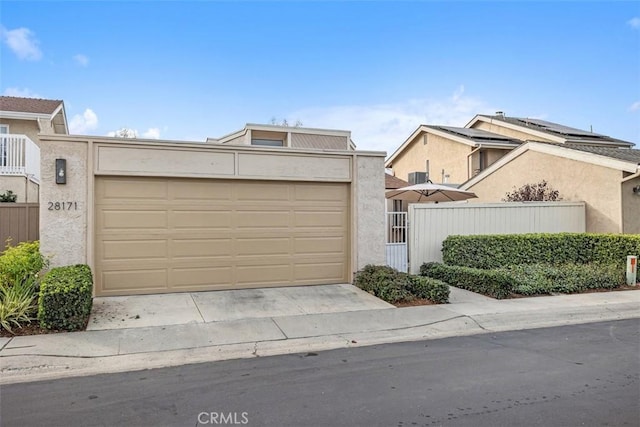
(66, 298)
(394, 287)
(493, 283)
(500, 250)
(528, 279)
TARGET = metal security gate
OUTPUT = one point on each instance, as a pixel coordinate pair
(396, 241)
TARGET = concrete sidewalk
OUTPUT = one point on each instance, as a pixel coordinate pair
(31, 358)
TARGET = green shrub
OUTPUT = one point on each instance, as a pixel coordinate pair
(395, 287)
(493, 283)
(384, 282)
(538, 279)
(21, 263)
(66, 298)
(500, 250)
(18, 304)
(429, 288)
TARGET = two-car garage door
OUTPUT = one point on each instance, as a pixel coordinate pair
(156, 235)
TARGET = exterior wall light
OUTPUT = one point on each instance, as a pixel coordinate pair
(61, 171)
(636, 190)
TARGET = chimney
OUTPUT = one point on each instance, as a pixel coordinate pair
(500, 114)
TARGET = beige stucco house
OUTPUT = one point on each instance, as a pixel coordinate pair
(607, 179)
(21, 121)
(447, 155)
(454, 155)
(155, 216)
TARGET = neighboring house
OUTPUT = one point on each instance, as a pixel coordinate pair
(21, 121)
(289, 137)
(453, 155)
(607, 179)
(447, 155)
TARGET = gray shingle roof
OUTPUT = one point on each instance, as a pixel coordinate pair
(478, 136)
(625, 154)
(28, 105)
(573, 135)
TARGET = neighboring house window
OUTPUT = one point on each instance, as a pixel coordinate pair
(397, 205)
(268, 142)
(4, 129)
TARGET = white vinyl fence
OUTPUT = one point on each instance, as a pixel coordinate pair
(430, 224)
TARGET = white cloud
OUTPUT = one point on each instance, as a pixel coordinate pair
(81, 60)
(22, 42)
(384, 127)
(24, 93)
(152, 133)
(635, 106)
(82, 123)
(634, 22)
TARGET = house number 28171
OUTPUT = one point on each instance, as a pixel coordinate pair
(62, 206)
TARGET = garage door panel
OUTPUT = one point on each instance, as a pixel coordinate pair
(218, 234)
(265, 246)
(134, 249)
(130, 219)
(267, 191)
(200, 191)
(268, 274)
(319, 271)
(320, 193)
(334, 245)
(194, 219)
(201, 276)
(313, 219)
(131, 190)
(125, 281)
(198, 248)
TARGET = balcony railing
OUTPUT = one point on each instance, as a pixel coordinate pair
(19, 155)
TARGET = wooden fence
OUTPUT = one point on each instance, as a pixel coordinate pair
(19, 222)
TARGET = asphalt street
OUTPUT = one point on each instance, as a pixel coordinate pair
(581, 375)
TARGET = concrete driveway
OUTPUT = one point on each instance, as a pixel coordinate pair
(218, 306)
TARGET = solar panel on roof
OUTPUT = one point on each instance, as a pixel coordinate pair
(476, 133)
(565, 130)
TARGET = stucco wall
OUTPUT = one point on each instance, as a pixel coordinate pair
(67, 235)
(20, 185)
(630, 207)
(23, 127)
(63, 232)
(501, 130)
(597, 186)
(369, 211)
(442, 153)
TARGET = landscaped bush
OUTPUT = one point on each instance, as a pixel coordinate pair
(538, 279)
(395, 287)
(20, 268)
(21, 263)
(66, 298)
(500, 250)
(493, 283)
(429, 288)
(18, 303)
(528, 279)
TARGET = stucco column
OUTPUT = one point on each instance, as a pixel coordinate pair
(63, 207)
(370, 204)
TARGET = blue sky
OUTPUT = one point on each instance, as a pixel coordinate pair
(192, 70)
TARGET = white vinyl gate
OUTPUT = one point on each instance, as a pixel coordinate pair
(396, 243)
